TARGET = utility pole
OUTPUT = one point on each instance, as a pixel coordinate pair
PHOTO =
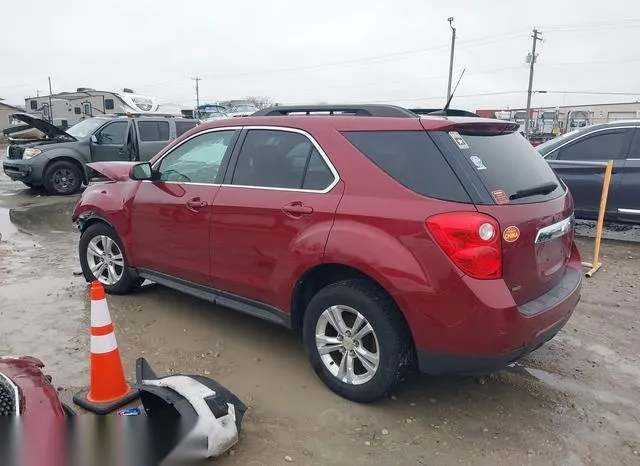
(537, 35)
(453, 47)
(197, 80)
(50, 105)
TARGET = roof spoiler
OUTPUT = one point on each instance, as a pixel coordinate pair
(483, 128)
(371, 110)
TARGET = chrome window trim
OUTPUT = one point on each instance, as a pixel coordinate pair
(16, 395)
(588, 134)
(629, 211)
(556, 230)
(327, 161)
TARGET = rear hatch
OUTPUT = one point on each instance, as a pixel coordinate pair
(508, 180)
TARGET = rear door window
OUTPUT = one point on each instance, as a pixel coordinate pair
(510, 169)
(184, 126)
(602, 145)
(281, 159)
(413, 160)
(151, 131)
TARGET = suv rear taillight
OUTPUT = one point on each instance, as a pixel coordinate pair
(472, 242)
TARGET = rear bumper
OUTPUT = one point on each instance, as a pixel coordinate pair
(435, 363)
(23, 170)
(490, 331)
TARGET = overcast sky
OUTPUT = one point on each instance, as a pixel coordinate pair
(306, 51)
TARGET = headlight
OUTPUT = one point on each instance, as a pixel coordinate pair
(30, 153)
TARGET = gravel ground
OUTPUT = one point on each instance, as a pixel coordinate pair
(573, 402)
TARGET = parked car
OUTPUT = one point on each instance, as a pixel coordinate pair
(618, 141)
(58, 162)
(386, 239)
(239, 108)
(26, 390)
(212, 112)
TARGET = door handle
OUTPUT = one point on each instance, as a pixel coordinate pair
(196, 203)
(297, 209)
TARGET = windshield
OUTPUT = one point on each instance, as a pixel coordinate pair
(85, 128)
(245, 108)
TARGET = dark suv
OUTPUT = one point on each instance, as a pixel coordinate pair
(388, 240)
(58, 161)
(618, 141)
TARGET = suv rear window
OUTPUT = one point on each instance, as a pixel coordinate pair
(507, 164)
(184, 126)
(412, 159)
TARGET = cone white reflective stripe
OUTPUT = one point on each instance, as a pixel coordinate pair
(101, 344)
(100, 313)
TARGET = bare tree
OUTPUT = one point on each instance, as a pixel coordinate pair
(260, 101)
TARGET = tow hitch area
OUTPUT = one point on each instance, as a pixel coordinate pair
(195, 416)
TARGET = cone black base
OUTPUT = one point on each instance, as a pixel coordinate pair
(81, 400)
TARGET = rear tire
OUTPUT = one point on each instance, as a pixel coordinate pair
(62, 178)
(102, 258)
(379, 354)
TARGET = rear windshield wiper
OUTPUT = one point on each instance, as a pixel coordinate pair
(544, 188)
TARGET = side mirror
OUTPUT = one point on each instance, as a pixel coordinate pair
(94, 139)
(141, 171)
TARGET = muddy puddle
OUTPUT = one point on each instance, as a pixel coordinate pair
(43, 306)
(7, 228)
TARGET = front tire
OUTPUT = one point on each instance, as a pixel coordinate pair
(356, 340)
(62, 178)
(102, 258)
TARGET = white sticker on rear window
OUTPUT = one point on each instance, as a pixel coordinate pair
(462, 144)
(477, 161)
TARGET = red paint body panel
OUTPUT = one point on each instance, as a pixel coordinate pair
(530, 269)
(115, 171)
(368, 221)
(257, 250)
(38, 398)
(170, 236)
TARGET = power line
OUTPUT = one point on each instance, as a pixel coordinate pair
(367, 60)
(593, 93)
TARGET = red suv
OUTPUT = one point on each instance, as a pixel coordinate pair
(389, 240)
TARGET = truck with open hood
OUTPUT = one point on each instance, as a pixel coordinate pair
(58, 160)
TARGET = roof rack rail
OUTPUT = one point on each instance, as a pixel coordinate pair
(152, 115)
(371, 110)
(441, 112)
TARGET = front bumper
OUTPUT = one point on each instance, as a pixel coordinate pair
(194, 417)
(23, 170)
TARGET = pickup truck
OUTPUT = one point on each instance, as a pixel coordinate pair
(58, 161)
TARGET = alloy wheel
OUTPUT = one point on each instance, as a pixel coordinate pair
(64, 180)
(105, 260)
(347, 345)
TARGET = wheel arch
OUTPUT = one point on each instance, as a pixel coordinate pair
(91, 219)
(66, 158)
(322, 275)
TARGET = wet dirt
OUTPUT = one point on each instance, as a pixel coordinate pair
(573, 402)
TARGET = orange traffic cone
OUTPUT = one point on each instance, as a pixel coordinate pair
(108, 388)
